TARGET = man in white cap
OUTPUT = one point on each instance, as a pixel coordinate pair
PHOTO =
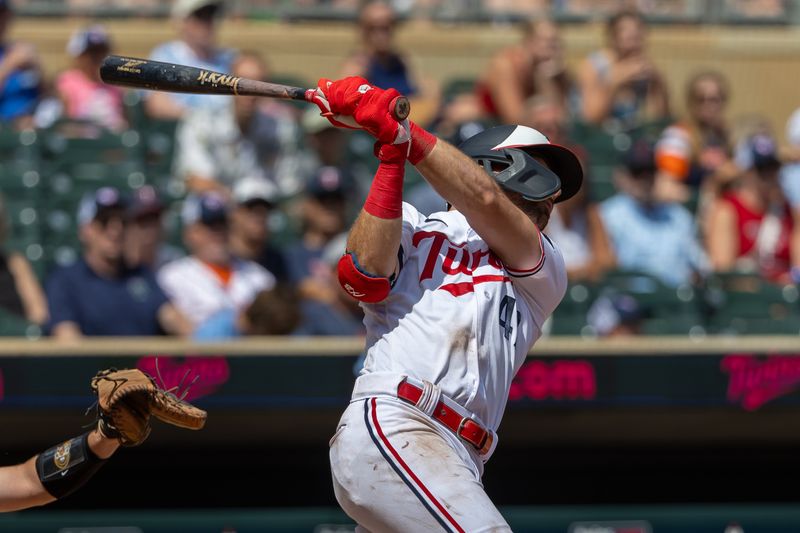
(196, 46)
(210, 279)
(254, 200)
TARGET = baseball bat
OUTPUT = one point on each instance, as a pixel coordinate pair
(158, 76)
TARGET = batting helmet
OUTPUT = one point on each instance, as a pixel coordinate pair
(513, 148)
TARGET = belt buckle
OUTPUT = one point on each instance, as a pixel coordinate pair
(485, 444)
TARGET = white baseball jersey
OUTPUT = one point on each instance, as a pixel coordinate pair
(198, 293)
(458, 317)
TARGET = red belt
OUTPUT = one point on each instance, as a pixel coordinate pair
(466, 428)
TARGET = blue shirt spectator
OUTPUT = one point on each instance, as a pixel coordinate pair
(197, 22)
(20, 93)
(99, 295)
(126, 305)
(659, 239)
(648, 235)
(20, 74)
(273, 312)
(219, 326)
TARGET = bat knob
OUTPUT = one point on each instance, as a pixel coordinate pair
(401, 108)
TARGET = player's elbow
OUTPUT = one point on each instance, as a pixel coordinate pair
(360, 284)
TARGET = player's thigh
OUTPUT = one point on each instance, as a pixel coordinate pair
(392, 472)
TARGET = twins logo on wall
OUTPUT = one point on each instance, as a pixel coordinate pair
(754, 381)
(556, 380)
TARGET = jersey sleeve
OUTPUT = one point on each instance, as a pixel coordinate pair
(543, 286)
(411, 221)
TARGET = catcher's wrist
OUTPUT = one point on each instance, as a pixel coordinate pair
(422, 142)
(65, 468)
(102, 446)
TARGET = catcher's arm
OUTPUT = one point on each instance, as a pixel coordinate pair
(22, 486)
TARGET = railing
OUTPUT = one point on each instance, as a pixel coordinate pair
(661, 11)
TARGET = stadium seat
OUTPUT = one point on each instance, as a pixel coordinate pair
(670, 310)
(601, 182)
(12, 325)
(746, 304)
(569, 318)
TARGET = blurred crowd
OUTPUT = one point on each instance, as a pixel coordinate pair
(244, 235)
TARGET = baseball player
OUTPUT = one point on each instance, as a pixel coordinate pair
(126, 399)
(453, 302)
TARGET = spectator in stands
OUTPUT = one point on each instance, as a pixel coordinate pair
(790, 172)
(254, 200)
(323, 214)
(99, 295)
(196, 46)
(144, 237)
(273, 312)
(83, 94)
(695, 148)
(649, 235)
(379, 61)
(621, 82)
(20, 292)
(248, 137)
(328, 309)
(574, 224)
(327, 146)
(751, 226)
(534, 66)
(20, 75)
(210, 279)
(616, 314)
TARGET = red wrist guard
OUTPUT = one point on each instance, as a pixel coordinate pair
(422, 142)
(385, 198)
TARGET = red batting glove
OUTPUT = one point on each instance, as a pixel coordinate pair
(354, 103)
(374, 114)
(338, 99)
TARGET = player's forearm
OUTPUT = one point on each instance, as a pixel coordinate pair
(374, 241)
(20, 487)
(508, 231)
(457, 178)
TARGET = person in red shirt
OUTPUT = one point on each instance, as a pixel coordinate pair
(751, 227)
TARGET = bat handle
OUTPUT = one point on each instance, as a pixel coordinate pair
(400, 105)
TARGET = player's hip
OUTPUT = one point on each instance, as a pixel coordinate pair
(427, 400)
(390, 462)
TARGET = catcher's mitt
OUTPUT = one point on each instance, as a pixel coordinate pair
(127, 398)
